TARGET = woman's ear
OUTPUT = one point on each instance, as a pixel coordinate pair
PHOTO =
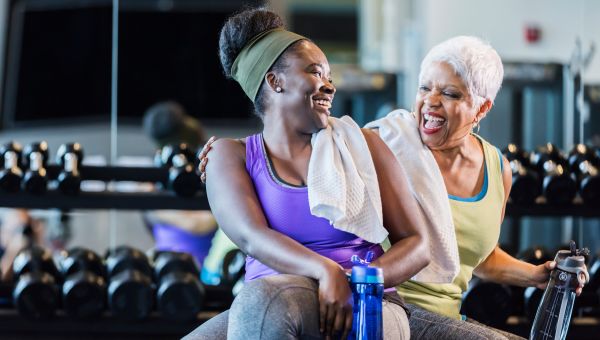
(274, 82)
(484, 108)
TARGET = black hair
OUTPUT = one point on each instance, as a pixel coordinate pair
(237, 31)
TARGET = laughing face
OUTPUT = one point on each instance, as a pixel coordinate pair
(308, 88)
(445, 108)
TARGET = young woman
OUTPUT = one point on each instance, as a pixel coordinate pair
(257, 188)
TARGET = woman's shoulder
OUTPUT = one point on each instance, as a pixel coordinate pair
(228, 147)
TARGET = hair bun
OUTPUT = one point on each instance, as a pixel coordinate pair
(241, 28)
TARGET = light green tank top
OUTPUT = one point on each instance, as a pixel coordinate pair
(477, 222)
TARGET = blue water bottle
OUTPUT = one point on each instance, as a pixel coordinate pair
(367, 292)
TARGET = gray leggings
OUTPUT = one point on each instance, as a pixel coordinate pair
(429, 325)
(283, 307)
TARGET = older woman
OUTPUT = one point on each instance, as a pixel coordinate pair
(458, 82)
(258, 189)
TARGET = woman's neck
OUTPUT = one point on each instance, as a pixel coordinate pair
(284, 141)
(466, 151)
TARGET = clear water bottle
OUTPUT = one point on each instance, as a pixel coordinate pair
(367, 292)
(554, 312)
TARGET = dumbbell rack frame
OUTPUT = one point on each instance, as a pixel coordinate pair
(108, 199)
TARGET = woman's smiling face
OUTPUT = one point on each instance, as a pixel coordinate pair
(444, 107)
(308, 89)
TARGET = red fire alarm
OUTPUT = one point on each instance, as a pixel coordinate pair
(533, 33)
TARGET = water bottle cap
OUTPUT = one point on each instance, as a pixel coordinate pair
(366, 274)
(571, 263)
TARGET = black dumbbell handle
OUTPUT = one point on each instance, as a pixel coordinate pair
(11, 160)
(179, 161)
(586, 168)
(70, 160)
(36, 161)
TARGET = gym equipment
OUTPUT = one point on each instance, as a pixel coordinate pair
(35, 158)
(557, 185)
(130, 290)
(525, 302)
(535, 255)
(183, 179)
(232, 273)
(180, 294)
(532, 297)
(525, 183)
(584, 163)
(487, 302)
(594, 270)
(11, 174)
(69, 157)
(554, 312)
(588, 303)
(84, 289)
(36, 291)
(233, 267)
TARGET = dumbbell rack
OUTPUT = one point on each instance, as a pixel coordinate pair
(581, 327)
(108, 199)
(107, 326)
(61, 326)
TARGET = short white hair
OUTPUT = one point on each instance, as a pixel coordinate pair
(475, 61)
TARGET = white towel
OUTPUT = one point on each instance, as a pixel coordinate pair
(399, 130)
(342, 182)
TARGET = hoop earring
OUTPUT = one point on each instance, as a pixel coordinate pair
(476, 127)
(278, 89)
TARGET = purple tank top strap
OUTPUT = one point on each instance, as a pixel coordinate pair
(255, 161)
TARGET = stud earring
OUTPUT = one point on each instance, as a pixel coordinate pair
(278, 89)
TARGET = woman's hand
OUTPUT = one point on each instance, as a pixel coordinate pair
(204, 159)
(541, 275)
(335, 303)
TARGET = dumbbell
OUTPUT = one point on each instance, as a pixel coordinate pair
(594, 271)
(525, 183)
(532, 297)
(130, 290)
(35, 158)
(183, 179)
(84, 289)
(584, 163)
(11, 174)
(69, 157)
(233, 267)
(557, 185)
(589, 301)
(525, 302)
(487, 302)
(179, 295)
(36, 291)
(220, 297)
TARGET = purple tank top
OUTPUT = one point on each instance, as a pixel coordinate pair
(287, 211)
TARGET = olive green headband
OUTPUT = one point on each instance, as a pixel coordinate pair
(257, 57)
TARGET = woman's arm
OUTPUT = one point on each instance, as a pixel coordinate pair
(238, 211)
(401, 217)
(501, 267)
